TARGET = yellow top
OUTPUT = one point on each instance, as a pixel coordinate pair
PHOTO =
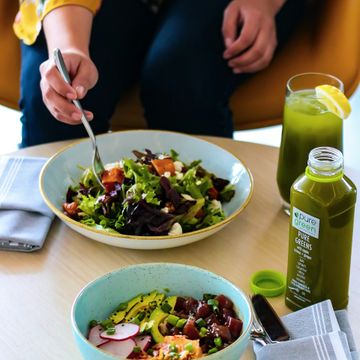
(28, 20)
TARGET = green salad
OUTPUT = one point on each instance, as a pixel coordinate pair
(152, 194)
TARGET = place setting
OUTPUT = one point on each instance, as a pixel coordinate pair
(153, 190)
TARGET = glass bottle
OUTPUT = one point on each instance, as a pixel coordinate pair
(320, 237)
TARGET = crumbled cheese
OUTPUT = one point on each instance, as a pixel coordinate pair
(176, 229)
(187, 197)
(165, 209)
(167, 174)
(161, 157)
(178, 165)
(113, 165)
(179, 175)
(215, 204)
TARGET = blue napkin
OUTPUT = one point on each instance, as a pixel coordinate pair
(24, 217)
(317, 333)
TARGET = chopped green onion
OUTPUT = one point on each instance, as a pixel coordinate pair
(212, 351)
(150, 351)
(203, 332)
(141, 315)
(207, 297)
(92, 323)
(122, 306)
(172, 319)
(107, 323)
(189, 347)
(165, 307)
(135, 320)
(110, 331)
(166, 290)
(173, 348)
(136, 349)
(149, 325)
(213, 302)
(200, 322)
(181, 323)
(218, 341)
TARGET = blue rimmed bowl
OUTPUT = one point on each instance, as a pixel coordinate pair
(101, 296)
(62, 170)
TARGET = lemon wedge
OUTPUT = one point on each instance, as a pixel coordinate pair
(334, 100)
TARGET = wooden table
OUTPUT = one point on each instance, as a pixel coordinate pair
(37, 289)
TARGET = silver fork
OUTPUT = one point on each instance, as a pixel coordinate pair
(97, 164)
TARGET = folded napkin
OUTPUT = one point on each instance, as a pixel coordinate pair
(316, 332)
(24, 217)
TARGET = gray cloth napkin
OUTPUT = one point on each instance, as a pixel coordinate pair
(316, 332)
(24, 217)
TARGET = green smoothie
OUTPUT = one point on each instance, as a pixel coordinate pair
(320, 239)
(307, 124)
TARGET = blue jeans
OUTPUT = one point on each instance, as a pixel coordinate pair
(175, 55)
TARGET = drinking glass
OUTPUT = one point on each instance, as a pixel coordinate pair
(307, 124)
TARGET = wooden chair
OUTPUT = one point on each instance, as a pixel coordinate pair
(327, 41)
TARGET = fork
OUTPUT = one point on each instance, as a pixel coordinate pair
(97, 164)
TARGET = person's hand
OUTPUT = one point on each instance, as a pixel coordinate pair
(57, 94)
(250, 49)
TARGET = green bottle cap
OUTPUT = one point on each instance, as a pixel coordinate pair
(268, 283)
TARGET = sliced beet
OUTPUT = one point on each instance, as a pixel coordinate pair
(119, 348)
(94, 336)
(123, 331)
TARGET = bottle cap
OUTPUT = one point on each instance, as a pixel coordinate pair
(268, 283)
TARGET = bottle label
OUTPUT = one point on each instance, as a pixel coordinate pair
(306, 223)
(304, 247)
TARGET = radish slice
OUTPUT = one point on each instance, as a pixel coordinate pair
(94, 336)
(123, 331)
(143, 342)
(119, 348)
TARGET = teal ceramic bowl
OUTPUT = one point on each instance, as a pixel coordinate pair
(100, 297)
(62, 170)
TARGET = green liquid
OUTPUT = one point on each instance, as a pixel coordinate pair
(306, 125)
(319, 264)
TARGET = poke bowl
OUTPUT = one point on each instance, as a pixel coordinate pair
(159, 189)
(187, 312)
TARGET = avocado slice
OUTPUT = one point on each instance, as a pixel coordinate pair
(158, 316)
(145, 324)
(117, 316)
(141, 305)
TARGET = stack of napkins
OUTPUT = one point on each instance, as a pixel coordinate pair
(24, 217)
(317, 333)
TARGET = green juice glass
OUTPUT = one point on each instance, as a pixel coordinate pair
(307, 124)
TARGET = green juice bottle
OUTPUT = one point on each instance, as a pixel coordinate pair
(321, 225)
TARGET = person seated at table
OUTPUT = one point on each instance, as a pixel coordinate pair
(188, 55)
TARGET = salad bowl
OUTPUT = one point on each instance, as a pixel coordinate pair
(66, 167)
(98, 299)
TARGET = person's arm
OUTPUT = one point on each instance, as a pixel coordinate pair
(68, 28)
(252, 49)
